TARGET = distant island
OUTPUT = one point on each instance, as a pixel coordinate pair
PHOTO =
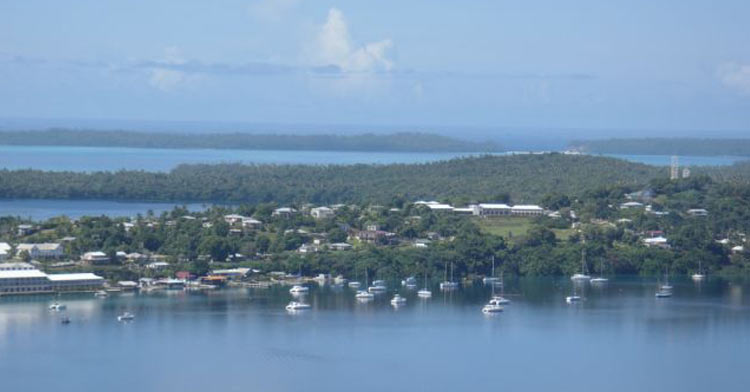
(665, 146)
(395, 142)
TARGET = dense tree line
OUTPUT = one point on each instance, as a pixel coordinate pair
(519, 178)
(411, 142)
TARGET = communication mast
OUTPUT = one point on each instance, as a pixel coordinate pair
(674, 173)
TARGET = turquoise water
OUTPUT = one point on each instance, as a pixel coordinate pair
(42, 209)
(619, 339)
(83, 159)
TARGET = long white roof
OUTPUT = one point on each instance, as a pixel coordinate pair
(16, 274)
(78, 276)
(493, 205)
(526, 207)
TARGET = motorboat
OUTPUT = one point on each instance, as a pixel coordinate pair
(298, 290)
(378, 283)
(364, 295)
(410, 281)
(296, 306)
(571, 299)
(500, 300)
(127, 316)
(424, 293)
(355, 285)
(494, 306)
(101, 294)
(377, 289)
(398, 300)
(57, 307)
(663, 293)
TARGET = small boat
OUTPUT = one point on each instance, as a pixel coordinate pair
(377, 289)
(57, 307)
(363, 295)
(355, 285)
(500, 299)
(127, 316)
(666, 286)
(101, 294)
(492, 278)
(663, 293)
(398, 300)
(64, 321)
(410, 281)
(297, 289)
(340, 279)
(378, 283)
(573, 299)
(494, 306)
(295, 306)
(582, 276)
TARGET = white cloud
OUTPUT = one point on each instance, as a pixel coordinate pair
(163, 75)
(735, 76)
(271, 10)
(333, 46)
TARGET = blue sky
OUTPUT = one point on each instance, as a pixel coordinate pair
(636, 64)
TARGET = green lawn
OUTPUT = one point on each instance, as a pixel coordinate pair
(510, 227)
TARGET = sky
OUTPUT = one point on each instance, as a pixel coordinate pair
(667, 66)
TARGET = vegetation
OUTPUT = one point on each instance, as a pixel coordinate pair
(519, 178)
(666, 146)
(411, 142)
(613, 236)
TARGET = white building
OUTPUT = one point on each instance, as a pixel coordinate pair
(5, 250)
(491, 209)
(526, 210)
(22, 278)
(48, 250)
(250, 223)
(96, 257)
(660, 242)
(697, 212)
(631, 204)
(440, 207)
(322, 212)
(284, 212)
(233, 218)
(340, 246)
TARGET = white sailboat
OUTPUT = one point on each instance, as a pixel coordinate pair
(500, 299)
(364, 295)
(492, 278)
(355, 284)
(666, 285)
(582, 277)
(299, 290)
(295, 306)
(448, 284)
(495, 305)
(398, 300)
(600, 279)
(698, 276)
(575, 298)
(425, 292)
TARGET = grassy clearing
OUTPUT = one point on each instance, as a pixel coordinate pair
(507, 227)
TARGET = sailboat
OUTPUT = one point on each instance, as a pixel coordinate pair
(600, 279)
(495, 305)
(500, 299)
(492, 278)
(666, 285)
(665, 290)
(364, 295)
(575, 298)
(355, 284)
(448, 284)
(582, 276)
(425, 292)
(698, 276)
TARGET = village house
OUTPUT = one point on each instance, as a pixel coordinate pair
(284, 212)
(658, 242)
(697, 212)
(5, 250)
(233, 218)
(25, 229)
(250, 223)
(322, 213)
(340, 246)
(96, 257)
(631, 204)
(48, 250)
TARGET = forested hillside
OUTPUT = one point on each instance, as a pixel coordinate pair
(523, 178)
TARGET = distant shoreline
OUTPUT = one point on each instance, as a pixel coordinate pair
(707, 147)
(396, 142)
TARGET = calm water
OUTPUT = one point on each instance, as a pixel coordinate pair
(116, 158)
(620, 339)
(42, 209)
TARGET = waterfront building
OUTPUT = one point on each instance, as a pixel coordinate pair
(284, 212)
(526, 210)
(23, 278)
(96, 257)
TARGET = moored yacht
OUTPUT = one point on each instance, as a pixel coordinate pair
(101, 294)
(698, 276)
(298, 289)
(448, 284)
(355, 285)
(409, 282)
(600, 279)
(57, 307)
(573, 299)
(424, 292)
(398, 300)
(662, 293)
(127, 316)
(294, 306)
(492, 278)
(494, 306)
(364, 295)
